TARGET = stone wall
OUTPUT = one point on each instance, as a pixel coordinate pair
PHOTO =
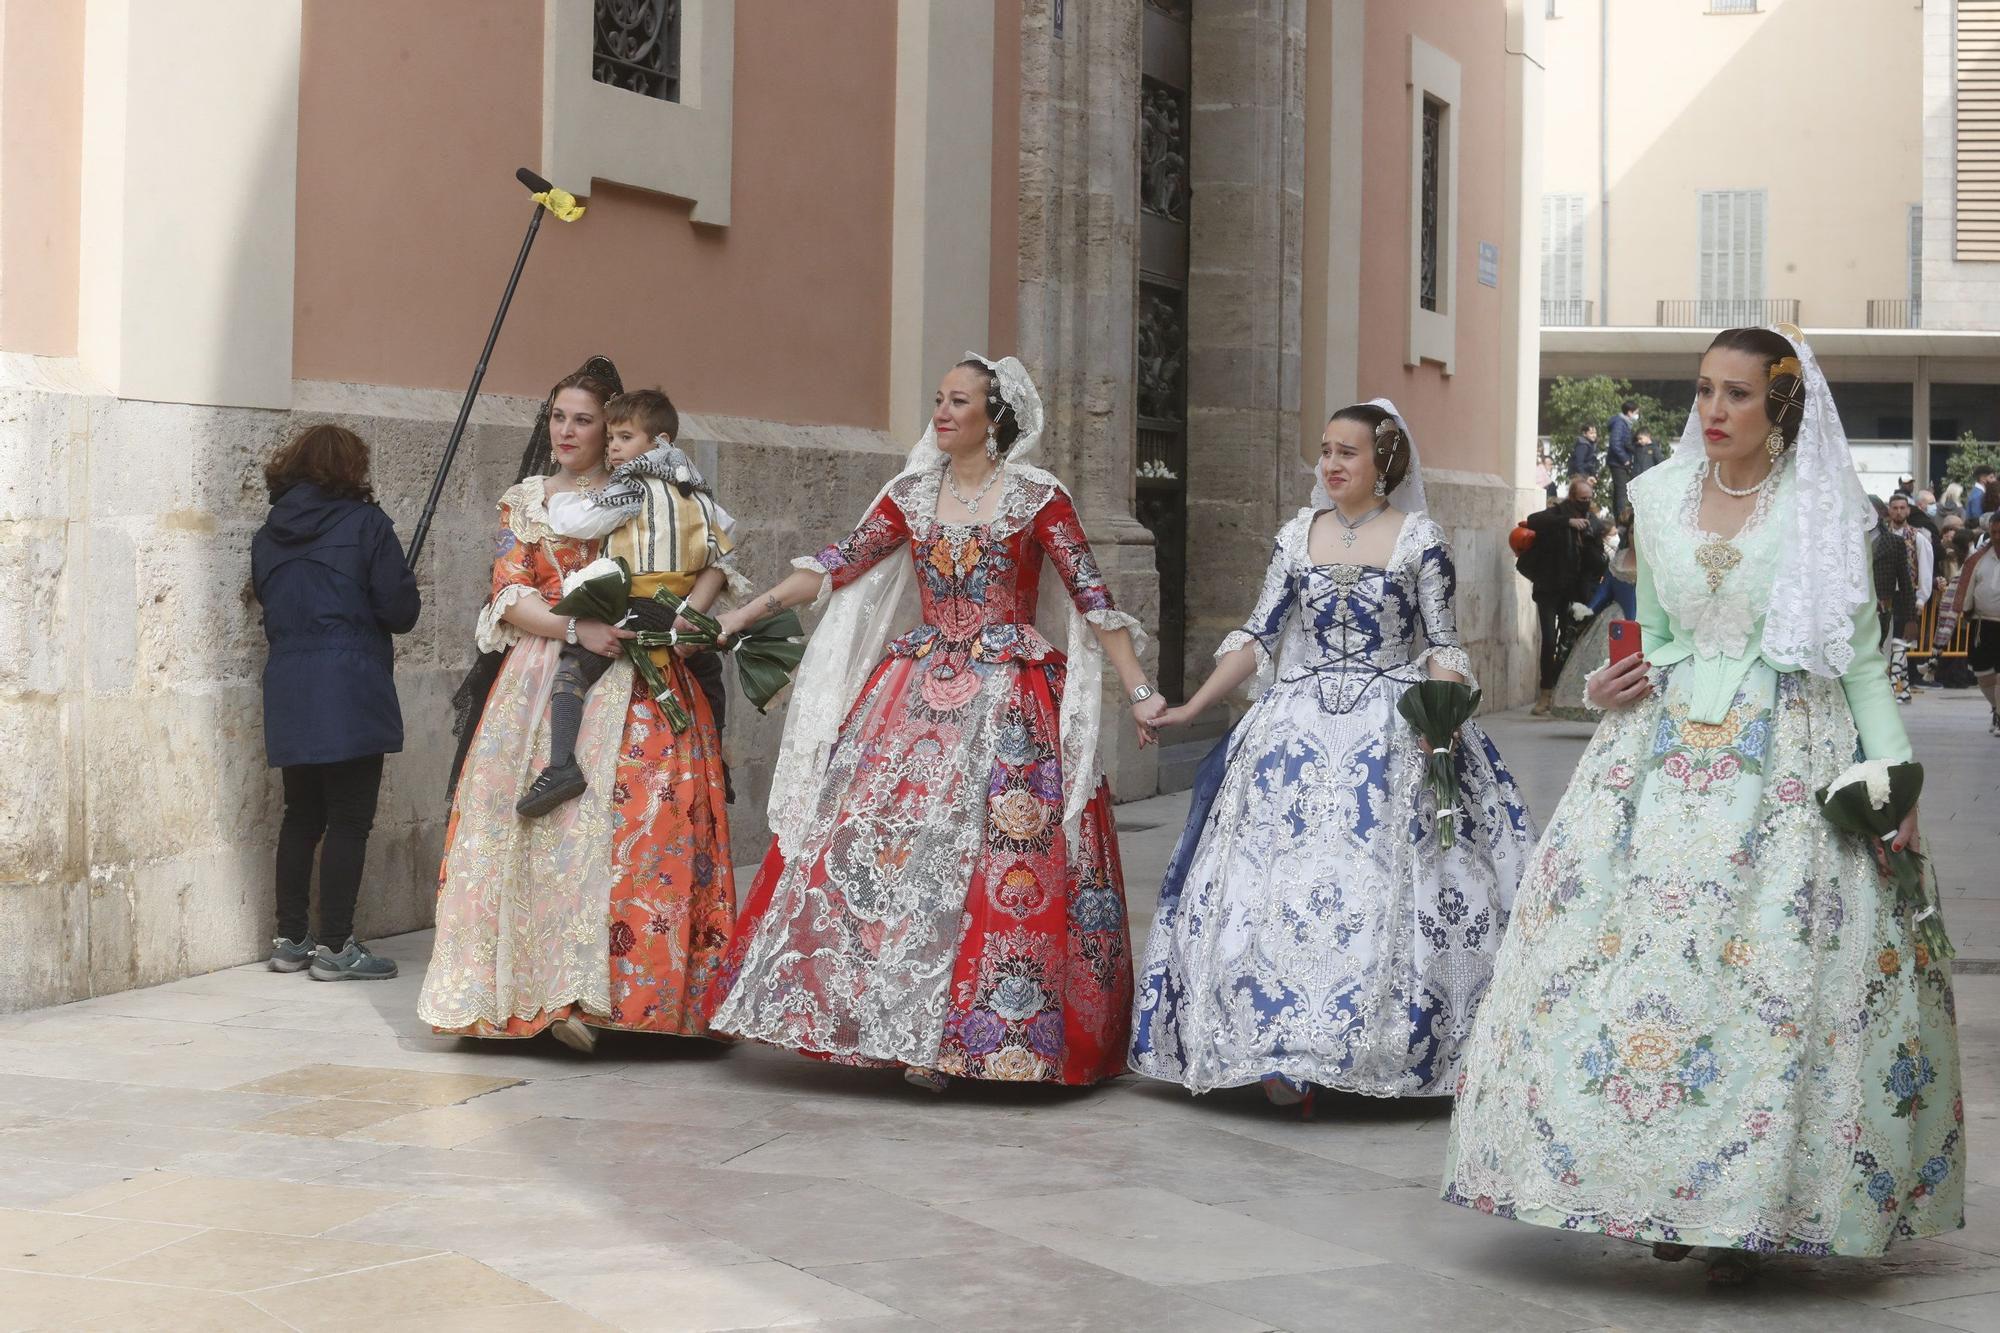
(138, 827)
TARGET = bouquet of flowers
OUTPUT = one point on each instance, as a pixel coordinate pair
(1871, 800)
(602, 590)
(1437, 709)
(766, 654)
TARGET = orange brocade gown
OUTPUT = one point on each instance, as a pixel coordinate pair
(617, 906)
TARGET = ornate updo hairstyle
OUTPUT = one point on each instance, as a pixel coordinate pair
(1392, 447)
(1006, 426)
(1785, 398)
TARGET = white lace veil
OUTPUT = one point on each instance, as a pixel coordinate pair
(861, 618)
(1408, 496)
(1822, 578)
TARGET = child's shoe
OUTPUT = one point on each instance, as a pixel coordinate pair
(556, 783)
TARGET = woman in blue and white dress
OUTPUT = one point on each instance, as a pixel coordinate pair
(1310, 930)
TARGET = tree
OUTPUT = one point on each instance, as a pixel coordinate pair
(1572, 404)
(1969, 454)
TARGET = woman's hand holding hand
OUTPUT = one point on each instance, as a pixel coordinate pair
(1177, 716)
(1621, 684)
(1146, 716)
(600, 638)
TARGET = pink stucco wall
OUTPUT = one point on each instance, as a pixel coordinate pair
(41, 154)
(1455, 417)
(412, 119)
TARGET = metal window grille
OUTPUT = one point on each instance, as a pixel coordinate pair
(1433, 169)
(636, 46)
(1562, 250)
(1732, 6)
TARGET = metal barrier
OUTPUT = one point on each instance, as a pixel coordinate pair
(1961, 633)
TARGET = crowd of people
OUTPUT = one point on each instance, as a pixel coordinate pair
(1688, 1012)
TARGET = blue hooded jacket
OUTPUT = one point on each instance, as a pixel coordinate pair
(334, 586)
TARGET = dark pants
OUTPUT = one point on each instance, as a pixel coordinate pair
(1548, 619)
(335, 802)
(1621, 477)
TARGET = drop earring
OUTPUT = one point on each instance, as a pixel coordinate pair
(992, 445)
(1381, 485)
(1774, 444)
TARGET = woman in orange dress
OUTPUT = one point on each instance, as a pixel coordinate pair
(614, 911)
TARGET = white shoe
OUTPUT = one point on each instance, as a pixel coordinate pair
(574, 1033)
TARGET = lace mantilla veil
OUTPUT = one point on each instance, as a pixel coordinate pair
(1409, 495)
(861, 618)
(1822, 578)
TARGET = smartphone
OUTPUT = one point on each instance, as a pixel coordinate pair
(1624, 639)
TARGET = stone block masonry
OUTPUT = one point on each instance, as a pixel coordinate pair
(138, 820)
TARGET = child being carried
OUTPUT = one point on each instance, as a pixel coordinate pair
(660, 517)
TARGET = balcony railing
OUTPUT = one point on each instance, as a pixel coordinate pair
(1566, 313)
(1903, 314)
(1706, 314)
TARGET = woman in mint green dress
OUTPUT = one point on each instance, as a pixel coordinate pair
(1710, 1023)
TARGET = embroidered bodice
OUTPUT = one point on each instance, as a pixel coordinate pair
(1714, 590)
(977, 583)
(1344, 626)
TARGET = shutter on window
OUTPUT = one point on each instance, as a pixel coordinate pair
(1978, 129)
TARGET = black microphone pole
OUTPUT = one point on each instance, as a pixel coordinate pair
(540, 188)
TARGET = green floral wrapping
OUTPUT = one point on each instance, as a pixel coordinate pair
(1871, 800)
(1437, 709)
(602, 590)
(766, 654)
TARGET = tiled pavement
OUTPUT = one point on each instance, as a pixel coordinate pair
(251, 1151)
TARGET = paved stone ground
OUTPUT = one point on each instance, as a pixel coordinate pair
(251, 1151)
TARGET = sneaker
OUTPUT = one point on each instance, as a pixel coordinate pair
(292, 955)
(353, 963)
(555, 784)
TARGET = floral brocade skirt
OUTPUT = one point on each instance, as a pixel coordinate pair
(615, 907)
(1709, 1022)
(937, 914)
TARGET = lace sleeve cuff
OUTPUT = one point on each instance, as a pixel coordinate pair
(493, 634)
(1451, 659)
(736, 584)
(1238, 638)
(1107, 618)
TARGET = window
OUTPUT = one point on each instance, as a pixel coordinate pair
(636, 45)
(1976, 87)
(1432, 187)
(1916, 258)
(1731, 277)
(1732, 6)
(1434, 111)
(674, 136)
(1562, 259)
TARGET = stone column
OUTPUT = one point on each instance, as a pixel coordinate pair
(1244, 470)
(1079, 266)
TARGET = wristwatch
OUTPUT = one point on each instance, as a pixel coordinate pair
(1143, 693)
(569, 634)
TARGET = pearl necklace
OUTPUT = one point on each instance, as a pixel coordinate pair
(1727, 489)
(972, 505)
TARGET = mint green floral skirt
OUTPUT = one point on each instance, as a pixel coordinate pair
(1709, 1022)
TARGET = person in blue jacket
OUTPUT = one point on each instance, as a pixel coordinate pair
(331, 577)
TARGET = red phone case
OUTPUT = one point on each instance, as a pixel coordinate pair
(1624, 639)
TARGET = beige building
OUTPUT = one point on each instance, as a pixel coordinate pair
(1720, 162)
(1202, 223)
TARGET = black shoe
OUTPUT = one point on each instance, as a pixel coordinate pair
(556, 784)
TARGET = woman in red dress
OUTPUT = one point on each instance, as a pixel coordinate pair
(943, 890)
